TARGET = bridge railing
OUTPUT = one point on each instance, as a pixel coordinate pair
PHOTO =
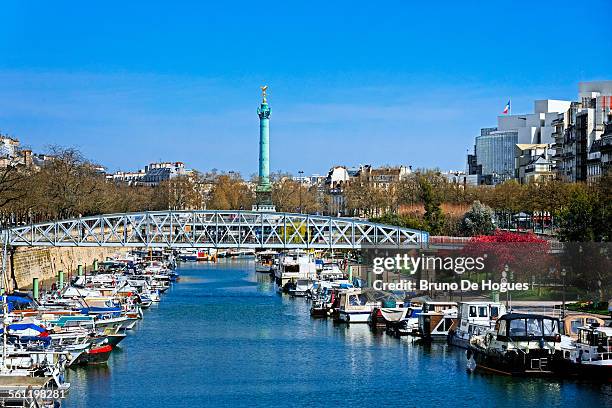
(208, 228)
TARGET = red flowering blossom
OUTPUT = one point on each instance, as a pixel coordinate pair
(526, 255)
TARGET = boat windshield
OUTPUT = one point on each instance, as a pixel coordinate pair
(355, 300)
(594, 338)
(533, 327)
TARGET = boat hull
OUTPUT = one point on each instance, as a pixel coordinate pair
(600, 371)
(114, 339)
(98, 355)
(318, 312)
(352, 317)
(536, 363)
(457, 341)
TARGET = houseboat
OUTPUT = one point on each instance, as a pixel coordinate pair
(519, 344)
(295, 265)
(474, 318)
(436, 320)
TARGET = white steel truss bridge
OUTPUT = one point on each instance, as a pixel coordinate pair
(215, 229)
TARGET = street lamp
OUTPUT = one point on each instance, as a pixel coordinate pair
(301, 173)
(507, 276)
(600, 292)
(563, 273)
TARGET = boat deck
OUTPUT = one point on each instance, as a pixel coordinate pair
(16, 382)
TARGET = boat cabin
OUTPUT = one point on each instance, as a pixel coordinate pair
(572, 323)
(330, 272)
(475, 317)
(527, 327)
(594, 343)
(437, 319)
(355, 306)
(438, 306)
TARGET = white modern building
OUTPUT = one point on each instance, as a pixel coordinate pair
(534, 128)
(495, 148)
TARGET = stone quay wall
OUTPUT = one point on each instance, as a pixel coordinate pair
(25, 263)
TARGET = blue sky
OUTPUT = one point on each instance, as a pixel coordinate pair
(386, 82)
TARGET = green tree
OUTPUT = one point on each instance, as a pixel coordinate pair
(577, 218)
(478, 220)
(434, 218)
(405, 220)
(603, 208)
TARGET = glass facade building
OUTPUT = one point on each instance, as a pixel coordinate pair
(495, 152)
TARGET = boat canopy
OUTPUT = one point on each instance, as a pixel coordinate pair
(519, 326)
(100, 310)
(28, 332)
(19, 302)
(45, 341)
(25, 326)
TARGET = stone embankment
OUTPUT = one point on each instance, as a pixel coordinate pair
(23, 263)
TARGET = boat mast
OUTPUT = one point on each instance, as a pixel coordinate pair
(5, 317)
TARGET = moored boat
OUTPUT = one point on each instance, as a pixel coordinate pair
(519, 344)
(295, 265)
(436, 320)
(355, 306)
(474, 318)
(590, 355)
(96, 355)
(265, 261)
(300, 287)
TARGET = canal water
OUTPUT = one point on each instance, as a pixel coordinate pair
(223, 337)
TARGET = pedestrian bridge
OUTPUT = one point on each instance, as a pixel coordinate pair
(215, 229)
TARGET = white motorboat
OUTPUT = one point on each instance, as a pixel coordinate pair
(331, 272)
(407, 324)
(295, 265)
(474, 318)
(355, 306)
(301, 287)
(590, 355)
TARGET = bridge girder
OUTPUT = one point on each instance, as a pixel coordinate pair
(215, 229)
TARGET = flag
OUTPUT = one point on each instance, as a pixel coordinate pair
(507, 108)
